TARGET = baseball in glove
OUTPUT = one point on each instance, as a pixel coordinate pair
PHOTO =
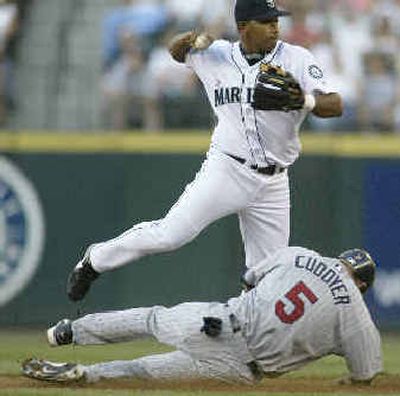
(276, 89)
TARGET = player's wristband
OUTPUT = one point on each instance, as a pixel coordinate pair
(309, 102)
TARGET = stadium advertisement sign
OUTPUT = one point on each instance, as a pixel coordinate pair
(22, 230)
(382, 237)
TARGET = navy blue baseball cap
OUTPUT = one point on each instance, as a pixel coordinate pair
(257, 10)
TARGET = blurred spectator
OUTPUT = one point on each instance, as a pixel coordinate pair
(123, 85)
(218, 20)
(384, 38)
(378, 94)
(9, 24)
(144, 18)
(185, 14)
(353, 6)
(352, 36)
(299, 32)
(215, 16)
(327, 54)
(391, 10)
(168, 82)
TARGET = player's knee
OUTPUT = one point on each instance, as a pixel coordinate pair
(173, 236)
(172, 241)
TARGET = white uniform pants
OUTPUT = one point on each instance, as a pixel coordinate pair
(222, 186)
(198, 356)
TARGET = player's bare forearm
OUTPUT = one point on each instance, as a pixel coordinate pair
(328, 105)
(181, 44)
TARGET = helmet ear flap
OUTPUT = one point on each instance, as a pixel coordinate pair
(363, 266)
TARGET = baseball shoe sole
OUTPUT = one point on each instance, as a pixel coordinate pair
(45, 370)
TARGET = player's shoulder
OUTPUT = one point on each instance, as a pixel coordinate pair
(221, 46)
(295, 50)
(297, 251)
(222, 43)
(219, 50)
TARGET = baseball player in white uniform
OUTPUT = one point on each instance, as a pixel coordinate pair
(245, 171)
(317, 310)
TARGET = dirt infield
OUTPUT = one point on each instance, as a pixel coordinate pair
(385, 384)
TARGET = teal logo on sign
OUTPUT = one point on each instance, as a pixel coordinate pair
(21, 231)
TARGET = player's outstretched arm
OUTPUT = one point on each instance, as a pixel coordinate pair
(181, 44)
(328, 105)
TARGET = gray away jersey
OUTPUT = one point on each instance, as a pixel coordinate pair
(304, 307)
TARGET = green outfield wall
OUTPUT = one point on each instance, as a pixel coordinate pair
(93, 186)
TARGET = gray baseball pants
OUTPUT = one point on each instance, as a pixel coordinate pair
(197, 356)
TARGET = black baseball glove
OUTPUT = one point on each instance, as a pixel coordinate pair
(277, 89)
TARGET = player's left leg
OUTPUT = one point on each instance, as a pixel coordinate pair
(166, 366)
(265, 223)
(175, 365)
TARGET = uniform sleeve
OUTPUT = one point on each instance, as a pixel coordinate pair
(194, 58)
(314, 77)
(361, 344)
(197, 60)
(282, 256)
(201, 62)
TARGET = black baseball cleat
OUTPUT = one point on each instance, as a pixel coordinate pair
(80, 279)
(54, 372)
(60, 334)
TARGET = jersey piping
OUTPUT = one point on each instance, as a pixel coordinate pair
(241, 103)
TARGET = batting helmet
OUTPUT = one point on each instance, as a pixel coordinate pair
(362, 264)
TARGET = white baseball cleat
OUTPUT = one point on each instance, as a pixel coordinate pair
(50, 371)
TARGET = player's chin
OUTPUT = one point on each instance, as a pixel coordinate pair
(270, 43)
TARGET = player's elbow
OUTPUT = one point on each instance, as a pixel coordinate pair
(177, 54)
(180, 45)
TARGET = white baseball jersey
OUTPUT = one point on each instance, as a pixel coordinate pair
(304, 307)
(261, 137)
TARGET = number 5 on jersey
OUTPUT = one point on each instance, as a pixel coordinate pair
(293, 295)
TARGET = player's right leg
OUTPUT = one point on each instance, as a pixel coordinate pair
(170, 326)
(103, 328)
(217, 191)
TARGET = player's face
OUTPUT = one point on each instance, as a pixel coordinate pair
(259, 36)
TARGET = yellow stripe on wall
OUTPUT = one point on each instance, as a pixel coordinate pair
(66, 142)
(185, 143)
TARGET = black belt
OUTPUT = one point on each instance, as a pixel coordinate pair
(265, 170)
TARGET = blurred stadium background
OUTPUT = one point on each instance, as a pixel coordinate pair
(102, 64)
(100, 129)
